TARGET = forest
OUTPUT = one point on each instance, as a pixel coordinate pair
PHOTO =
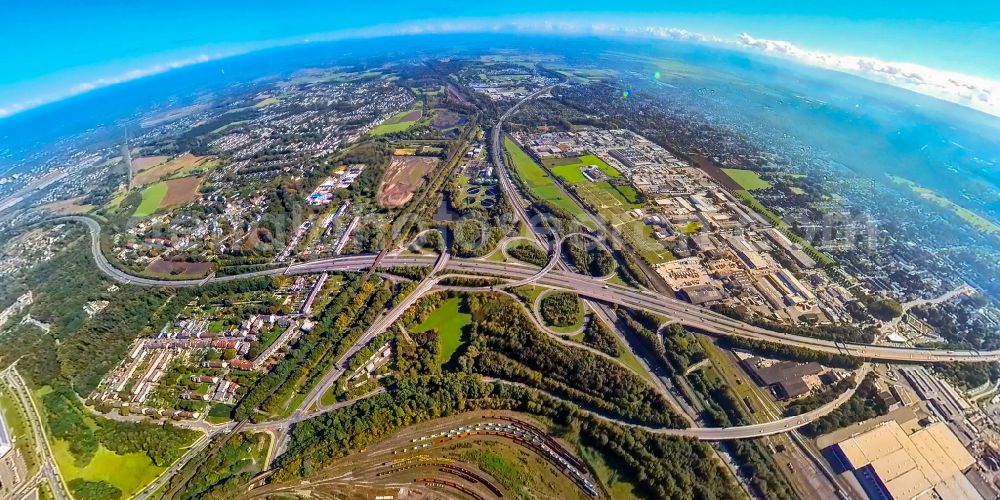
(863, 405)
(226, 465)
(561, 308)
(529, 253)
(661, 467)
(505, 344)
(587, 257)
(69, 421)
(597, 335)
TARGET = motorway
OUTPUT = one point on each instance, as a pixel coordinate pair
(49, 469)
(687, 314)
(779, 426)
(496, 151)
(380, 325)
(593, 288)
(553, 275)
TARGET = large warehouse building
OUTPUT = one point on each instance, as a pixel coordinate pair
(893, 465)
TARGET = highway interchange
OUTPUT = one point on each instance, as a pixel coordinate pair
(592, 288)
(554, 275)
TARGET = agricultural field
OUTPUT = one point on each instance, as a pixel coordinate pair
(541, 183)
(167, 194)
(399, 122)
(450, 320)
(263, 103)
(568, 169)
(141, 163)
(747, 179)
(70, 206)
(401, 180)
(152, 197)
(148, 172)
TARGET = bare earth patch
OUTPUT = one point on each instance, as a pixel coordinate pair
(181, 191)
(402, 178)
(175, 166)
(141, 163)
(445, 119)
(68, 207)
(178, 268)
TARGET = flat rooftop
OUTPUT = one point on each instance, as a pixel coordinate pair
(911, 465)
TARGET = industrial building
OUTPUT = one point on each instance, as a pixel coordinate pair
(890, 464)
(785, 378)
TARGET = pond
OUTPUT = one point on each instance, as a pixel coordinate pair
(444, 212)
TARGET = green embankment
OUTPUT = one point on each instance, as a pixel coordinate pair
(541, 183)
(977, 221)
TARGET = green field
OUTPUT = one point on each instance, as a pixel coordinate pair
(690, 228)
(978, 221)
(266, 102)
(528, 293)
(450, 320)
(612, 206)
(541, 184)
(747, 179)
(129, 473)
(152, 196)
(568, 169)
(618, 487)
(399, 122)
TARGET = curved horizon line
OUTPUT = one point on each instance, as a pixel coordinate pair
(968, 91)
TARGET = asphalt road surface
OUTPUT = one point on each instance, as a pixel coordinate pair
(593, 288)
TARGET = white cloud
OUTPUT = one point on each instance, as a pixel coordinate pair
(977, 93)
(84, 87)
(966, 90)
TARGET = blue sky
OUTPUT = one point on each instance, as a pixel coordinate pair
(54, 48)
